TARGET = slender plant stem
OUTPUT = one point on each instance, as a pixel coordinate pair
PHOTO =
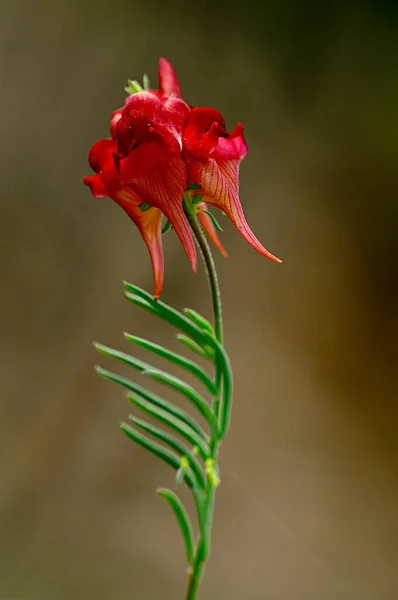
(203, 546)
(213, 284)
(195, 577)
(210, 269)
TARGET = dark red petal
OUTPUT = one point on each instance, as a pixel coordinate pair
(116, 115)
(100, 154)
(209, 228)
(177, 111)
(202, 130)
(146, 103)
(123, 135)
(146, 117)
(160, 178)
(101, 159)
(168, 82)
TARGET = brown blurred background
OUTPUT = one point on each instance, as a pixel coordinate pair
(308, 509)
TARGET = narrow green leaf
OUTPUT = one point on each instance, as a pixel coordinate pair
(164, 311)
(179, 321)
(142, 302)
(122, 357)
(135, 289)
(177, 359)
(216, 224)
(194, 186)
(174, 444)
(199, 320)
(143, 366)
(183, 520)
(192, 345)
(176, 414)
(169, 457)
(164, 377)
(189, 392)
(165, 417)
(172, 316)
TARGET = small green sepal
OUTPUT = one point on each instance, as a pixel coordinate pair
(133, 87)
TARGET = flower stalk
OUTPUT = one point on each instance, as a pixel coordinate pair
(211, 466)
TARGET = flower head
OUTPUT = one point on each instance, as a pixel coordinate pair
(160, 148)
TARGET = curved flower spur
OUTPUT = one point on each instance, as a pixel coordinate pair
(168, 160)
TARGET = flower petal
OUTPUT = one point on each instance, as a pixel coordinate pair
(209, 228)
(202, 130)
(100, 154)
(168, 82)
(96, 186)
(160, 178)
(232, 146)
(145, 118)
(177, 111)
(106, 183)
(101, 160)
(219, 183)
(149, 224)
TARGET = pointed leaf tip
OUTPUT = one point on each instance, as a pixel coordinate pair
(183, 520)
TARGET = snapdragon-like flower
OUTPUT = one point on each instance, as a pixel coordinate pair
(162, 151)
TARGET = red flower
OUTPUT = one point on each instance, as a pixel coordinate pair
(106, 183)
(148, 158)
(160, 148)
(213, 157)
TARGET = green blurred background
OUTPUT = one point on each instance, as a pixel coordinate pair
(308, 509)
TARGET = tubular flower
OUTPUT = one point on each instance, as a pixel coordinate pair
(160, 149)
(106, 183)
(213, 157)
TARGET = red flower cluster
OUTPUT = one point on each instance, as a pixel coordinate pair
(160, 149)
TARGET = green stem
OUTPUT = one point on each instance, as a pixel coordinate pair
(210, 269)
(208, 260)
(203, 546)
(195, 577)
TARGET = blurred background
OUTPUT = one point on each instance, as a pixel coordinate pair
(308, 509)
